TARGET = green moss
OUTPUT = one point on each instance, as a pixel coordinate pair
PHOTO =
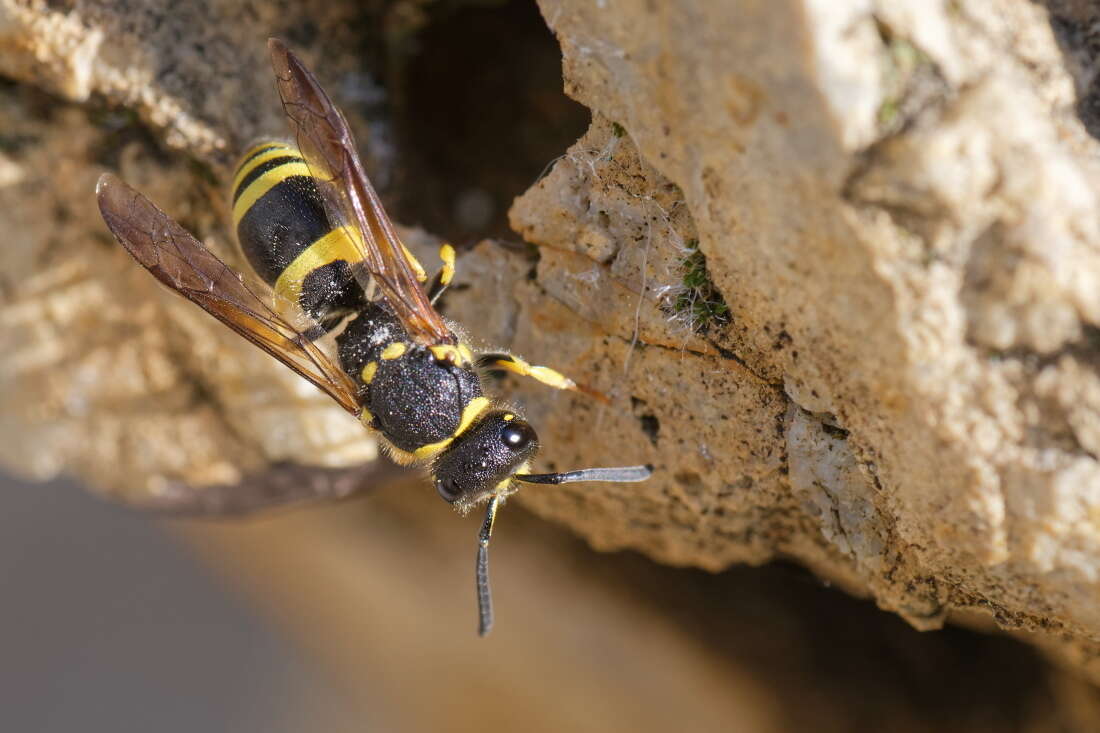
(904, 63)
(700, 302)
(888, 112)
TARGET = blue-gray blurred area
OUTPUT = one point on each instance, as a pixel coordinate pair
(107, 624)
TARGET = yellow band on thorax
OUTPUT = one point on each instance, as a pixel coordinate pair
(471, 412)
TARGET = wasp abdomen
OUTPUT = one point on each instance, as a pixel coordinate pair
(286, 235)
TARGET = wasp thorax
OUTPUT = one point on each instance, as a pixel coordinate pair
(481, 458)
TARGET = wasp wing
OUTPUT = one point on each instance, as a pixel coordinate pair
(326, 143)
(179, 261)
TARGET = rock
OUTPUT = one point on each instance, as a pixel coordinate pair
(896, 203)
(108, 376)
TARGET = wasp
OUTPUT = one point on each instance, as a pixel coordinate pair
(313, 230)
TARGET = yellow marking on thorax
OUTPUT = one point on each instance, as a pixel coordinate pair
(398, 456)
(368, 372)
(276, 150)
(265, 183)
(458, 355)
(471, 412)
(394, 350)
(336, 245)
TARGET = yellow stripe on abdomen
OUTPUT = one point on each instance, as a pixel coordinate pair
(250, 160)
(265, 183)
(336, 245)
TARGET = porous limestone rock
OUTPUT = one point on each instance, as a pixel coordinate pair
(106, 375)
(897, 202)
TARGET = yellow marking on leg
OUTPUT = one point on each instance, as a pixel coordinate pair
(265, 183)
(394, 350)
(368, 372)
(275, 150)
(336, 245)
(546, 375)
(473, 409)
(551, 377)
(414, 263)
(447, 254)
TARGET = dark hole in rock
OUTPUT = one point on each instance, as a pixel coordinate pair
(479, 111)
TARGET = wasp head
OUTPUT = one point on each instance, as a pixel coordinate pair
(486, 455)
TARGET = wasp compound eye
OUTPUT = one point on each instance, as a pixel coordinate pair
(448, 488)
(487, 453)
(517, 435)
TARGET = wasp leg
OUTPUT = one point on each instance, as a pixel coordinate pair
(446, 273)
(418, 269)
(550, 377)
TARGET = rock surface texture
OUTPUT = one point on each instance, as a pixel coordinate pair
(837, 264)
(898, 203)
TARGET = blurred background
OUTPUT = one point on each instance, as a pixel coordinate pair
(360, 616)
(109, 624)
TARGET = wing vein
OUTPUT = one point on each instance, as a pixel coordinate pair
(178, 260)
(328, 147)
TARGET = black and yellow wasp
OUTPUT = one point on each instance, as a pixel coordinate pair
(312, 227)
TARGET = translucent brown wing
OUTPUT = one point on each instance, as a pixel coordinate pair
(179, 261)
(329, 149)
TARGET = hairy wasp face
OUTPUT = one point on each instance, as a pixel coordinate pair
(483, 456)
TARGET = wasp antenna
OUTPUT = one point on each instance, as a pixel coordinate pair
(484, 595)
(621, 474)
